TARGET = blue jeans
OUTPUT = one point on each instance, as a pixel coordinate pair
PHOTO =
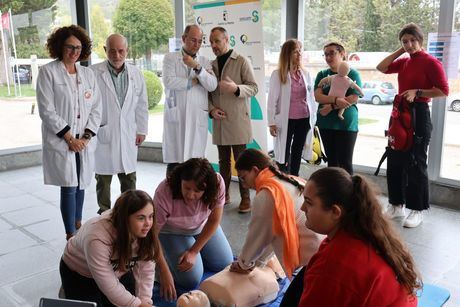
(214, 256)
(72, 203)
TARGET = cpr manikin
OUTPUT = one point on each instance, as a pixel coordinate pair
(244, 290)
(339, 83)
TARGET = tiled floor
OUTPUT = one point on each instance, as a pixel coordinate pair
(32, 236)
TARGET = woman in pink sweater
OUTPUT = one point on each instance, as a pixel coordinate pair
(189, 204)
(110, 260)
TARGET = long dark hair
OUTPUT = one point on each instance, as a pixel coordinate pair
(364, 219)
(127, 204)
(253, 157)
(201, 172)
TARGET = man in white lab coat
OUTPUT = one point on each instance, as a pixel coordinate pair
(124, 120)
(187, 79)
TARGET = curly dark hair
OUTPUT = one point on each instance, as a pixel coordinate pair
(55, 42)
(201, 172)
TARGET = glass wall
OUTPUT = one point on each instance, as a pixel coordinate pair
(450, 162)
(147, 25)
(25, 27)
(367, 28)
(369, 31)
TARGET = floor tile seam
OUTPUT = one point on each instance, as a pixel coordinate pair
(44, 244)
(448, 270)
(22, 248)
(446, 251)
(28, 276)
(14, 296)
(23, 230)
(47, 202)
(17, 209)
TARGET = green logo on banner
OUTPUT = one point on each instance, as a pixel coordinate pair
(209, 125)
(215, 166)
(254, 144)
(255, 16)
(232, 40)
(256, 111)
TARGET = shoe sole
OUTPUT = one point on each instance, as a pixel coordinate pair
(395, 217)
(412, 226)
(244, 210)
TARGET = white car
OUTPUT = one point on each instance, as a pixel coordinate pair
(453, 102)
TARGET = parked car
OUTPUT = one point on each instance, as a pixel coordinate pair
(23, 74)
(453, 102)
(378, 92)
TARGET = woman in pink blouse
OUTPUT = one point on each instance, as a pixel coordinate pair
(189, 206)
(291, 109)
(110, 259)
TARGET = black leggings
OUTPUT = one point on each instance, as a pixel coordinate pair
(78, 287)
(339, 146)
(295, 140)
(407, 176)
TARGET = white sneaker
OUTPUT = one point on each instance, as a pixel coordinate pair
(414, 219)
(394, 212)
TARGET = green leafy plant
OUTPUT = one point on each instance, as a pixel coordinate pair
(154, 88)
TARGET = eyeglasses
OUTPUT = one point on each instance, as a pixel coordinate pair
(73, 48)
(196, 41)
(330, 54)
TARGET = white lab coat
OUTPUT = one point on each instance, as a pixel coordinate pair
(279, 97)
(185, 120)
(116, 150)
(56, 103)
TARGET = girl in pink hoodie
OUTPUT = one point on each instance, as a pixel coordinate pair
(110, 260)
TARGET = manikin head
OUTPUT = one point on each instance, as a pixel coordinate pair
(195, 298)
(343, 69)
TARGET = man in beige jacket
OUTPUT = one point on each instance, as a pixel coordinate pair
(228, 107)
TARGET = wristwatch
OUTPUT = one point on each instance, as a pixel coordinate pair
(87, 136)
(418, 93)
(197, 69)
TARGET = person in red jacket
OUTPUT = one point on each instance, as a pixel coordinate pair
(420, 78)
(362, 262)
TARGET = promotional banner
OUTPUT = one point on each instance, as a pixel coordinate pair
(243, 21)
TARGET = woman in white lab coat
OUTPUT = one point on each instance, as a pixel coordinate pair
(291, 109)
(70, 109)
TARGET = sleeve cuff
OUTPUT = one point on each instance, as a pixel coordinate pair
(198, 71)
(63, 131)
(237, 93)
(90, 132)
